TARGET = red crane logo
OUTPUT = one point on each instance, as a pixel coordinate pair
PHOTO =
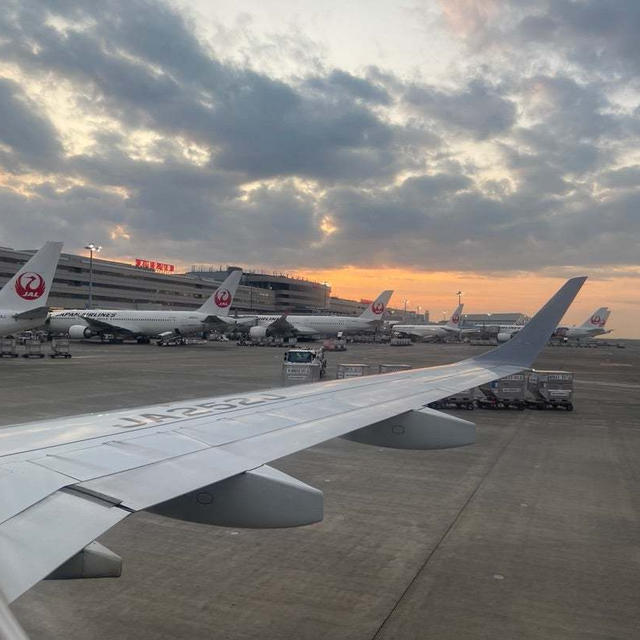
(597, 320)
(377, 308)
(455, 318)
(222, 298)
(30, 286)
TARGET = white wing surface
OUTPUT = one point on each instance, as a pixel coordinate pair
(64, 482)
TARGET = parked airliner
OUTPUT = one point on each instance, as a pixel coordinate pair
(593, 326)
(23, 300)
(432, 331)
(147, 324)
(299, 325)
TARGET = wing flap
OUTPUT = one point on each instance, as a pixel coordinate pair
(119, 455)
(23, 484)
(41, 538)
(144, 487)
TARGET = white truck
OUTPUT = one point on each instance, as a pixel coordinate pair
(303, 365)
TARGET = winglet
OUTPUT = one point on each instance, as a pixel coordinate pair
(524, 347)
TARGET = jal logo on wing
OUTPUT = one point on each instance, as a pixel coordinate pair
(377, 308)
(223, 298)
(597, 320)
(455, 318)
(30, 286)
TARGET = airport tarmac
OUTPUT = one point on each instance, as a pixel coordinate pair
(533, 532)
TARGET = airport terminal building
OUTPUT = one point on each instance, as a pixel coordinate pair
(119, 285)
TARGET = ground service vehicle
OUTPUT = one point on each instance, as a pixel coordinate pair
(550, 390)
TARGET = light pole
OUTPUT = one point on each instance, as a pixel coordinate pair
(460, 294)
(327, 287)
(404, 316)
(97, 248)
(419, 309)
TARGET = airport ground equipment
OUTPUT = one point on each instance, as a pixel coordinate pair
(550, 390)
(8, 347)
(33, 349)
(338, 344)
(60, 348)
(301, 366)
(389, 368)
(505, 393)
(465, 399)
(352, 370)
(396, 341)
(67, 481)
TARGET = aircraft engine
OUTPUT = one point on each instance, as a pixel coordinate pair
(255, 333)
(79, 331)
(503, 337)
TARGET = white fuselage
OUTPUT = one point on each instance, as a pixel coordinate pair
(148, 323)
(423, 330)
(313, 325)
(10, 325)
(581, 332)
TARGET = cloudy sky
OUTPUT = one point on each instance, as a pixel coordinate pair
(476, 144)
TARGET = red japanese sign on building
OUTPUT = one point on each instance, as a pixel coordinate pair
(162, 267)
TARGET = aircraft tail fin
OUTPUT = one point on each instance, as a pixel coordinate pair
(30, 287)
(219, 303)
(376, 309)
(456, 318)
(597, 319)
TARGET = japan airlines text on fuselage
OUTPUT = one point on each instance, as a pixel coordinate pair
(80, 323)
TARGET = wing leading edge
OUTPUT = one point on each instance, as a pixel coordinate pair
(86, 474)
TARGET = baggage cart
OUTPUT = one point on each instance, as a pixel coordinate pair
(60, 348)
(8, 348)
(550, 390)
(463, 400)
(506, 393)
(33, 349)
(352, 370)
(400, 342)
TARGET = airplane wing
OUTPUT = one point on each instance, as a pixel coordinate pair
(282, 327)
(64, 482)
(103, 325)
(229, 321)
(32, 314)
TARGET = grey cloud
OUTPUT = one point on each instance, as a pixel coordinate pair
(140, 64)
(351, 86)
(254, 124)
(626, 177)
(30, 137)
(479, 109)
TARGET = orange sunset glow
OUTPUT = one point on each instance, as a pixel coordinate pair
(436, 292)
